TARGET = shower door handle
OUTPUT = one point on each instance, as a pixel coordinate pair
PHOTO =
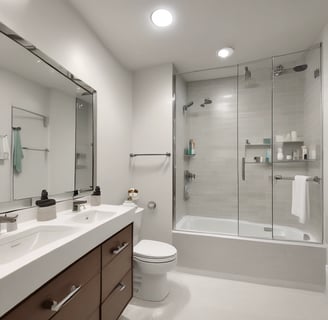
(243, 167)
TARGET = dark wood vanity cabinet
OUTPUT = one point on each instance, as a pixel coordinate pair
(98, 286)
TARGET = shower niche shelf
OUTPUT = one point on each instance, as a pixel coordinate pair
(291, 142)
(295, 161)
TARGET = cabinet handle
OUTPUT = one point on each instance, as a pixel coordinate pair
(122, 286)
(56, 306)
(120, 248)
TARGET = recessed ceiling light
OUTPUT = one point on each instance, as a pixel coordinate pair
(225, 52)
(161, 18)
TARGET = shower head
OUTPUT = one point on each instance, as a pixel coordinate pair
(206, 101)
(301, 67)
(280, 69)
(248, 74)
(188, 105)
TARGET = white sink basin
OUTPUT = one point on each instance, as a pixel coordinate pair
(93, 216)
(22, 243)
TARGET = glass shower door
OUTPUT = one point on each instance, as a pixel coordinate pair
(297, 205)
(254, 149)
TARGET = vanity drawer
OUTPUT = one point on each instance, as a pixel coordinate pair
(37, 306)
(113, 306)
(83, 304)
(113, 272)
(117, 245)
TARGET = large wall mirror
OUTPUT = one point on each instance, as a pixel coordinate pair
(47, 127)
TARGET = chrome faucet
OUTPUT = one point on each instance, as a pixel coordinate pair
(78, 204)
(10, 221)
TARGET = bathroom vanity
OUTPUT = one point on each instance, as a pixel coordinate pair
(87, 275)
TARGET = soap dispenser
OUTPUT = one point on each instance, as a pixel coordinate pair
(96, 197)
(46, 207)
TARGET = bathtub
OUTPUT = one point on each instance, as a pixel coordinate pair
(246, 229)
(212, 246)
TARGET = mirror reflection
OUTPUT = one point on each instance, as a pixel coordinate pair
(46, 127)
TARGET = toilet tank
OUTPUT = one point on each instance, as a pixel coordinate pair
(137, 225)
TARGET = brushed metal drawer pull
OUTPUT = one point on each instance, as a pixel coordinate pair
(122, 286)
(120, 248)
(56, 306)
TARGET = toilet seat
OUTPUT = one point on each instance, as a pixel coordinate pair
(154, 252)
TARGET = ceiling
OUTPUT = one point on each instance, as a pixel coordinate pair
(255, 28)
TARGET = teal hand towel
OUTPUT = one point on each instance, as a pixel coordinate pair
(18, 152)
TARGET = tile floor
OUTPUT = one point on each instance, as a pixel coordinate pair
(195, 297)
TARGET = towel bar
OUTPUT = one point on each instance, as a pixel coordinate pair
(280, 177)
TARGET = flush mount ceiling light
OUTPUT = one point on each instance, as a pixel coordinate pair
(161, 18)
(225, 52)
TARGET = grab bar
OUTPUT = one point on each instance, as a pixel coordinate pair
(132, 155)
(280, 177)
(35, 149)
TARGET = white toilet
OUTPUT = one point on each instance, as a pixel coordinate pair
(151, 262)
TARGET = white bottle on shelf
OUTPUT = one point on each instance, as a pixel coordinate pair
(280, 154)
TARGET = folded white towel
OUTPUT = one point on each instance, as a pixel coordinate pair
(5, 144)
(301, 200)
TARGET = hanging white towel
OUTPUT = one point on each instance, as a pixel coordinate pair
(301, 200)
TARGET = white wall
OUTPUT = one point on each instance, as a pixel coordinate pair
(56, 29)
(152, 133)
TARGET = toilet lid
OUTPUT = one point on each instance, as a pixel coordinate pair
(154, 250)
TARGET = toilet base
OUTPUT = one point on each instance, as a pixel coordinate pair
(150, 287)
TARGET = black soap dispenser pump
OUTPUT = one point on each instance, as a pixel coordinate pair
(96, 197)
(46, 207)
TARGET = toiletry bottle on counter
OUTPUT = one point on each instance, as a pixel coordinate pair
(304, 153)
(46, 207)
(95, 199)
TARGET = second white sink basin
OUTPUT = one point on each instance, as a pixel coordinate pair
(92, 216)
(17, 245)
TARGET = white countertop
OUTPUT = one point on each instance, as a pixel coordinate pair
(21, 277)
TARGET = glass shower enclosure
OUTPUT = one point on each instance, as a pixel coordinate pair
(248, 149)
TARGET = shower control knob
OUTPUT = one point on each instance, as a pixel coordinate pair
(189, 175)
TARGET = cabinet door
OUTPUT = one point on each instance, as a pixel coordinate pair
(114, 272)
(38, 305)
(83, 304)
(114, 305)
(116, 245)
